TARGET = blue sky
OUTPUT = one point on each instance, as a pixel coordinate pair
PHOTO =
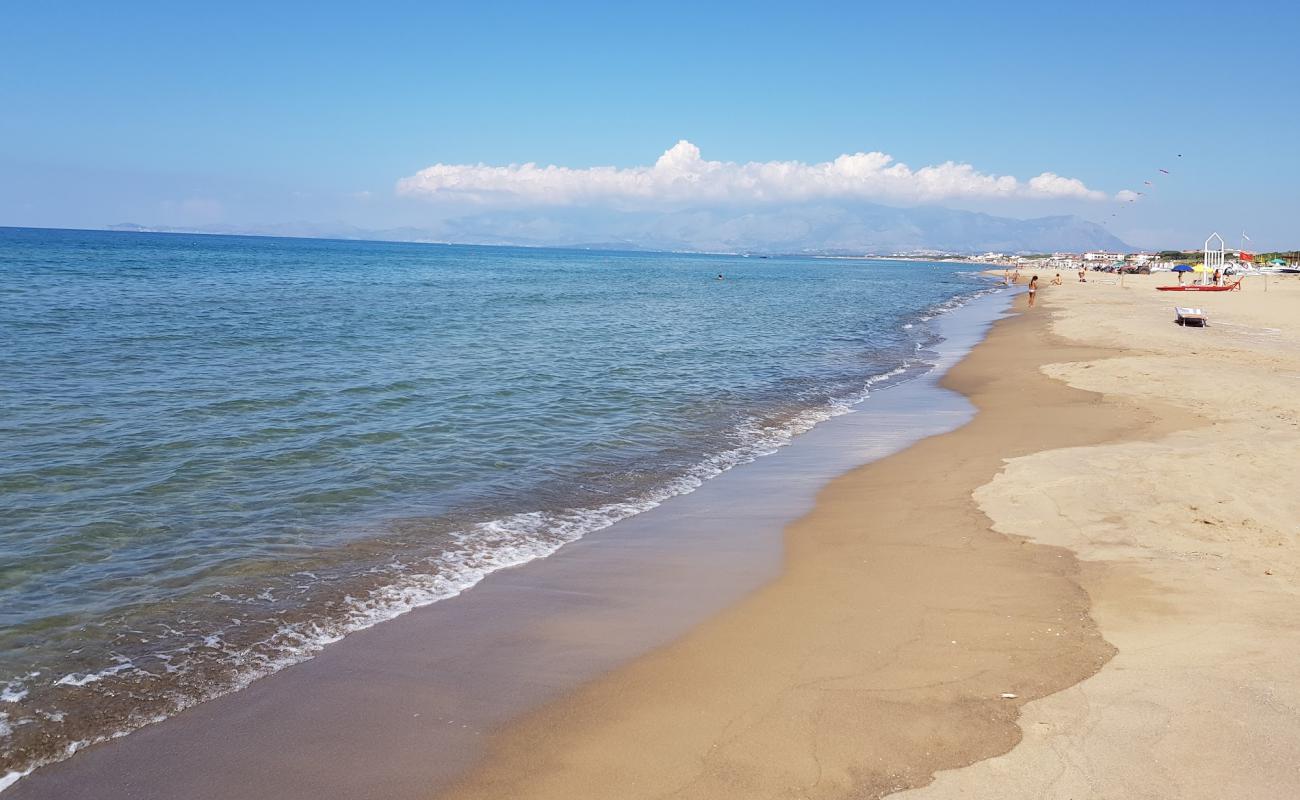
(185, 114)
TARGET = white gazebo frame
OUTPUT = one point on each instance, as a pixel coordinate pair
(1213, 259)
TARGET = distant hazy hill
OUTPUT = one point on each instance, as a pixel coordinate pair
(818, 228)
(822, 228)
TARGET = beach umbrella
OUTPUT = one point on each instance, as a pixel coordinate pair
(1200, 268)
(1278, 261)
(1183, 268)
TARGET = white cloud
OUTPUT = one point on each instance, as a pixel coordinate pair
(681, 177)
(1126, 195)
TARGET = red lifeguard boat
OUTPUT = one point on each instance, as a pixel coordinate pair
(1197, 288)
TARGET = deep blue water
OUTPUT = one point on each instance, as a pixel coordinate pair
(219, 453)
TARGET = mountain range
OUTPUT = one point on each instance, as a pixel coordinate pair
(813, 228)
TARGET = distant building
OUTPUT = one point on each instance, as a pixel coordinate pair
(1103, 256)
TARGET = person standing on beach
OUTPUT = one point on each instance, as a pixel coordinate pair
(1033, 289)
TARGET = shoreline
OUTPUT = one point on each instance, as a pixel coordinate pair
(1137, 610)
(590, 607)
(885, 649)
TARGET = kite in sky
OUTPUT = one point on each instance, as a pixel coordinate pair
(1136, 195)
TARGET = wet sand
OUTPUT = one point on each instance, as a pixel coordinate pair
(902, 636)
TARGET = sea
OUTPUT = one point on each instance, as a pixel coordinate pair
(219, 454)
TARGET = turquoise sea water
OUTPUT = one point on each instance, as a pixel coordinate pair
(217, 454)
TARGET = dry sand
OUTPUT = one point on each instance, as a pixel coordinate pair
(1189, 550)
(1117, 459)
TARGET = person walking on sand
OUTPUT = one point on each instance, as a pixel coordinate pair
(1033, 289)
(1082, 272)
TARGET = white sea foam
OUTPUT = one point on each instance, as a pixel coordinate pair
(74, 679)
(12, 692)
(517, 539)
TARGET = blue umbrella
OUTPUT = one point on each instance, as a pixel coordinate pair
(1182, 268)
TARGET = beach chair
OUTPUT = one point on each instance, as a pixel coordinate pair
(1190, 316)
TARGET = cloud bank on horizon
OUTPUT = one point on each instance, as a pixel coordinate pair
(682, 177)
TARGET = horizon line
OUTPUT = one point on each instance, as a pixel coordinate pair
(583, 248)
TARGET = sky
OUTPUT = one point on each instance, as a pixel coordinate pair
(394, 114)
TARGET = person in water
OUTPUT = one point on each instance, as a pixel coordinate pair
(719, 276)
(1033, 289)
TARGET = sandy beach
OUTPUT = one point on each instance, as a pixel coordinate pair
(1088, 591)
